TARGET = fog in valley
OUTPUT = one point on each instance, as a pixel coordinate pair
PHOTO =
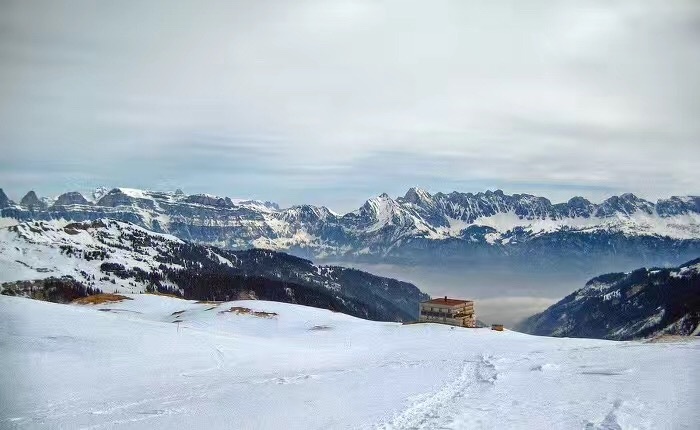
(502, 295)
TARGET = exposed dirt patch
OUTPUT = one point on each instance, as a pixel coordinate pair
(320, 328)
(238, 310)
(177, 312)
(101, 298)
(671, 338)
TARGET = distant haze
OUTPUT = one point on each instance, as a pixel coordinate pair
(328, 102)
(502, 296)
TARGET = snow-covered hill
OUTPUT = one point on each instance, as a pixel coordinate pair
(418, 228)
(159, 362)
(116, 256)
(642, 303)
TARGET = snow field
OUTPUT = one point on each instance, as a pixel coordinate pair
(161, 362)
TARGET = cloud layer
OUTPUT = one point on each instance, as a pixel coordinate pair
(328, 102)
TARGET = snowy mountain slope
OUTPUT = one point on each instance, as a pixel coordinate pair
(642, 303)
(488, 229)
(118, 256)
(127, 365)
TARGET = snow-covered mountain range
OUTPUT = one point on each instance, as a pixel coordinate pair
(620, 306)
(117, 256)
(417, 228)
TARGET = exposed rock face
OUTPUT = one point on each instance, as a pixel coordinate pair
(5, 201)
(678, 206)
(206, 200)
(621, 306)
(70, 198)
(489, 228)
(32, 202)
(117, 197)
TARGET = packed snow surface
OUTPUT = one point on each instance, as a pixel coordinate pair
(161, 362)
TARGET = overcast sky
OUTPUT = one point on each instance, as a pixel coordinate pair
(331, 102)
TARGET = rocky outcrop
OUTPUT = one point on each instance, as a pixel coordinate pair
(117, 197)
(5, 201)
(207, 200)
(31, 202)
(70, 198)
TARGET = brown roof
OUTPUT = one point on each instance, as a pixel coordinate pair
(446, 301)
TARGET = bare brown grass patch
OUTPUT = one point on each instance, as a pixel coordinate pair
(101, 298)
(670, 338)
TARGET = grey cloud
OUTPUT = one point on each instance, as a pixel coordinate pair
(324, 102)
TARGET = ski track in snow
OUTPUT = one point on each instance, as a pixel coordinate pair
(437, 409)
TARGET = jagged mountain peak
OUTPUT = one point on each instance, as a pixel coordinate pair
(578, 200)
(377, 213)
(98, 193)
(497, 192)
(626, 204)
(678, 205)
(209, 200)
(627, 198)
(4, 200)
(262, 205)
(418, 219)
(418, 196)
(32, 202)
(379, 203)
(29, 198)
(125, 197)
(381, 199)
(308, 213)
(71, 198)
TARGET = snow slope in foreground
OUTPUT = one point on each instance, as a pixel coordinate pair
(71, 366)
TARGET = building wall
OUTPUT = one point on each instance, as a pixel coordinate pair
(444, 314)
(462, 322)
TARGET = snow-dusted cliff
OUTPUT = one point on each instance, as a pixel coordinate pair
(641, 303)
(417, 228)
